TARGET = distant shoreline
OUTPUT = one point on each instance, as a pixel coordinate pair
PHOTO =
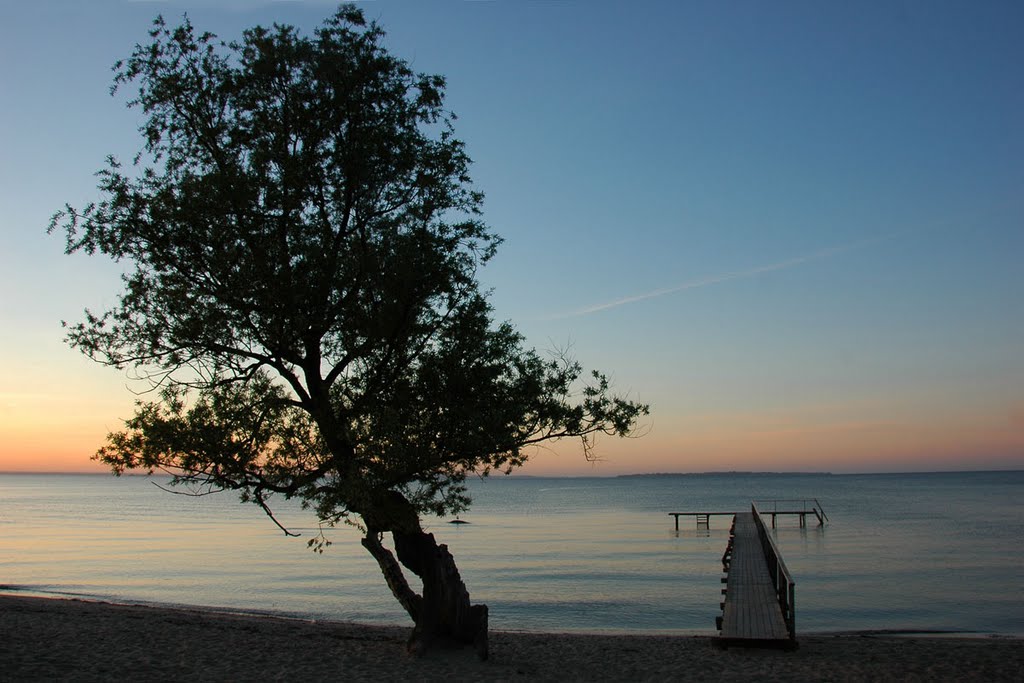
(652, 475)
(47, 638)
(730, 473)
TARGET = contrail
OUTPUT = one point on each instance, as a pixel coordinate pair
(715, 279)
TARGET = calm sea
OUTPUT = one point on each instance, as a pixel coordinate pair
(901, 551)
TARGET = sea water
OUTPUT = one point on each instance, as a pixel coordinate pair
(916, 552)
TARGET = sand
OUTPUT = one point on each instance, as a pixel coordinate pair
(50, 639)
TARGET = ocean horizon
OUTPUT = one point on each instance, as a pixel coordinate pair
(916, 552)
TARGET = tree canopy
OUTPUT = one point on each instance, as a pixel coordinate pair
(302, 241)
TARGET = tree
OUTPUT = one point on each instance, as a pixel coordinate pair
(302, 240)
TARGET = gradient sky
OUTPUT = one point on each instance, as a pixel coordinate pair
(796, 229)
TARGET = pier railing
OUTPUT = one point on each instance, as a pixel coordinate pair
(785, 586)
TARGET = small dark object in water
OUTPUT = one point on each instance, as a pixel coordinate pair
(457, 521)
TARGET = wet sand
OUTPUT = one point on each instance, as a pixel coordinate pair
(73, 640)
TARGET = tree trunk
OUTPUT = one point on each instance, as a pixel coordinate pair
(443, 615)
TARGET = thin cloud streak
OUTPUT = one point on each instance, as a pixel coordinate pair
(715, 279)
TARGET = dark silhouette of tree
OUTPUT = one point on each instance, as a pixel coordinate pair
(302, 241)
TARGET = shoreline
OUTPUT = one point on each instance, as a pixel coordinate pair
(48, 638)
(15, 591)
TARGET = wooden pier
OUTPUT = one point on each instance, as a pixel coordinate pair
(759, 608)
(799, 507)
(770, 508)
(760, 594)
(703, 518)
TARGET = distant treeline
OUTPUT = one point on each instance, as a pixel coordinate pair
(731, 473)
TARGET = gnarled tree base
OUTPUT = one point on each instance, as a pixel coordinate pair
(443, 615)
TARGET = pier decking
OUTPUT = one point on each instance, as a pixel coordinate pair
(755, 612)
(760, 595)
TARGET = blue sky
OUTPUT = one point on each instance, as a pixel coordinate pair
(795, 228)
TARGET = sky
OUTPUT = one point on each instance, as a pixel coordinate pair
(795, 229)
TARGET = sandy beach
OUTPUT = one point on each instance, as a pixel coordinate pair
(50, 639)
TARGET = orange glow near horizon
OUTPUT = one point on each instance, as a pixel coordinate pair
(50, 447)
(58, 432)
(758, 443)
(47, 434)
